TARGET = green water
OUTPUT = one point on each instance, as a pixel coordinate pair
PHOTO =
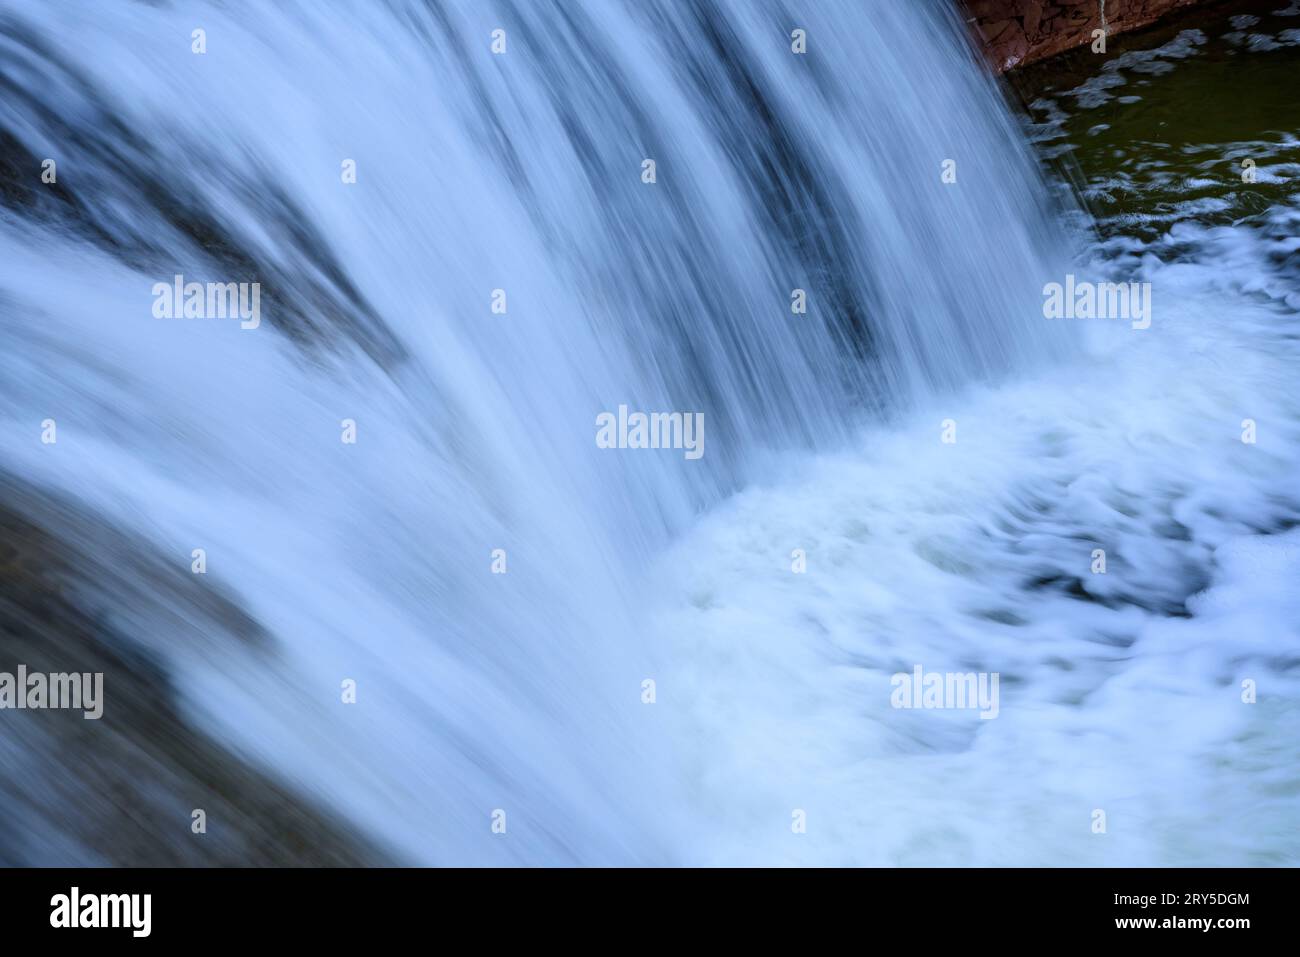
(1154, 132)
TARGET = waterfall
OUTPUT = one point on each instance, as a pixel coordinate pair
(502, 271)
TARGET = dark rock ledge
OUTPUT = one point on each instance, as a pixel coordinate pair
(119, 791)
(1011, 33)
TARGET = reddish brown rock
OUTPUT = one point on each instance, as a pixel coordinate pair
(1014, 32)
(1010, 48)
(1033, 18)
(994, 29)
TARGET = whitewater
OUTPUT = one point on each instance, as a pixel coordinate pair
(523, 692)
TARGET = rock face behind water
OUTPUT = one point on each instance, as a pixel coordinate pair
(121, 790)
(1014, 32)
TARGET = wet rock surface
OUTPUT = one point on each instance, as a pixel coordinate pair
(1015, 32)
(121, 790)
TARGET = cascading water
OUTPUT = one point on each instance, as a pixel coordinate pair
(485, 177)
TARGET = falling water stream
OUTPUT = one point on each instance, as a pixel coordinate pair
(522, 172)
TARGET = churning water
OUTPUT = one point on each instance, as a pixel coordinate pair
(519, 177)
